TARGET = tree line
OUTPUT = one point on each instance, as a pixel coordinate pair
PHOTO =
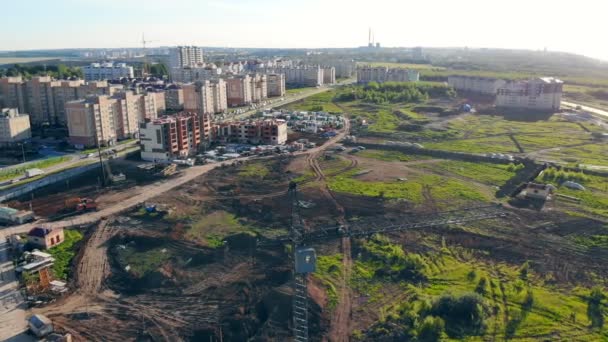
(394, 92)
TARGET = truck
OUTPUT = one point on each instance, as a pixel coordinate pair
(29, 173)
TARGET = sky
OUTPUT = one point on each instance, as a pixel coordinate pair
(558, 25)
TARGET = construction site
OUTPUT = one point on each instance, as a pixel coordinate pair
(363, 238)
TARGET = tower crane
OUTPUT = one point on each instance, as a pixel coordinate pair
(143, 43)
(305, 256)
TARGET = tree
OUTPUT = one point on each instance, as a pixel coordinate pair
(595, 307)
(482, 286)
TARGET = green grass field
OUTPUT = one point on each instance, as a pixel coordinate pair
(64, 253)
(142, 262)
(19, 171)
(329, 273)
(317, 102)
(516, 305)
(443, 189)
(488, 173)
(401, 65)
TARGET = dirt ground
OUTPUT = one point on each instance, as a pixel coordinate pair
(236, 292)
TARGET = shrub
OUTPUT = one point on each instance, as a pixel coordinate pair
(464, 315)
(431, 329)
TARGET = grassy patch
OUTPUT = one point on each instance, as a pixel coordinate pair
(254, 170)
(329, 272)
(19, 171)
(322, 102)
(401, 65)
(500, 144)
(64, 253)
(212, 228)
(411, 190)
(589, 155)
(140, 262)
(388, 155)
(489, 173)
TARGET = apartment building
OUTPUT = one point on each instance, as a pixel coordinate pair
(479, 85)
(174, 98)
(169, 137)
(63, 93)
(108, 119)
(93, 121)
(12, 93)
(269, 132)
(193, 74)
(107, 71)
(185, 56)
(329, 75)
(40, 101)
(310, 76)
(238, 90)
(205, 97)
(543, 93)
(259, 87)
(384, 74)
(344, 69)
(14, 127)
(275, 84)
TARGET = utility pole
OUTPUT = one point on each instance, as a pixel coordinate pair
(23, 152)
(103, 175)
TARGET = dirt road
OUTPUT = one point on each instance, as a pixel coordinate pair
(340, 319)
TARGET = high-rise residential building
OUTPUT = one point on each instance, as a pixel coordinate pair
(310, 76)
(220, 99)
(198, 97)
(193, 74)
(276, 84)
(107, 71)
(480, 85)
(40, 100)
(174, 98)
(238, 90)
(344, 68)
(14, 127)
(106, 119)
(92, 121)
(64, 92)
(543, 93)
(329, 75)
(169, 137)
(98, 88)
(185, 56)
(12, 93)
(384, 74)
(259, 87)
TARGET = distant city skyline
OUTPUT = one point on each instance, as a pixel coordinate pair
(557, 25)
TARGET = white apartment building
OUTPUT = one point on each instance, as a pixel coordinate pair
(480, 85)
(107, 71)
(14, 127)
(192, 74)
(185, 56)
(544, 93)
(310, 76)
(384, 74)
(259, 87)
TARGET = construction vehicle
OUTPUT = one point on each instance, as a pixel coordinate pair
(168, 170)
(305, 257)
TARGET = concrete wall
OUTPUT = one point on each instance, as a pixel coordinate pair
(50, 179)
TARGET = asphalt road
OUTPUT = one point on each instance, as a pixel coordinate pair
(591, 110)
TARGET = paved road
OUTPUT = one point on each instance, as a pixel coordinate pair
(591, 110)
(12, 305)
